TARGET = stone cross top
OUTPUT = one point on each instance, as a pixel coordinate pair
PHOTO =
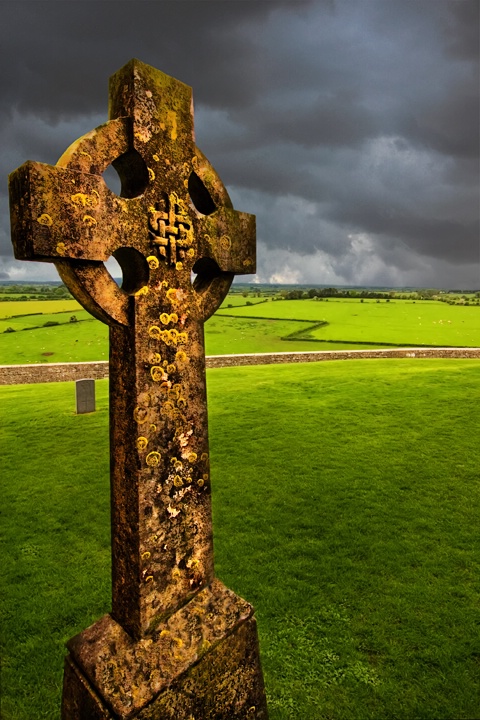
(173, 218)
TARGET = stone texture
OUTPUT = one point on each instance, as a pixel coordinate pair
(173, 217)
(85, 396)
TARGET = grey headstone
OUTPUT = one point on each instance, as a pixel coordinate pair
(85, 396)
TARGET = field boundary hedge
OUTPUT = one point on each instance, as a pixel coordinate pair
(63, 372)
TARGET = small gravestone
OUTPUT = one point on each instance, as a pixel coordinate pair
(85, 396)
(177, 645)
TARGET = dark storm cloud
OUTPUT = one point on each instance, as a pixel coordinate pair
(351, 127)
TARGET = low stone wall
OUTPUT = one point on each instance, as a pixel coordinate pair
(61, 372)
(52, 372)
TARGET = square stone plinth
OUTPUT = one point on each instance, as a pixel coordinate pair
(202, 663)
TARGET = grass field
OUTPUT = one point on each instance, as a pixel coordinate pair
(397, 321)
(287, 325)
(346, 501)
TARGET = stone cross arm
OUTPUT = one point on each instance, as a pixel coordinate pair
(62, 213)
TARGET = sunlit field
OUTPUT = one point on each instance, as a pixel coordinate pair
(346, 502)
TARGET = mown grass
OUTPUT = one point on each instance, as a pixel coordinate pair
(346, 500)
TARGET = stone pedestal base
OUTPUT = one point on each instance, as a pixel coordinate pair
(201, 664)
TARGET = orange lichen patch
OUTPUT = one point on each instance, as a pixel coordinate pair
(154, 332)
(152, 262)
(153, 458)
(45, 220)
(61, 249)
(89, 220)
(140, 415)
(142, 442)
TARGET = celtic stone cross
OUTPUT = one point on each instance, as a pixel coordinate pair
(177, 644)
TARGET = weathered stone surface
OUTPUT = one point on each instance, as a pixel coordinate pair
(85, 396)
(226, 685)
(130, 673)
(173, 217)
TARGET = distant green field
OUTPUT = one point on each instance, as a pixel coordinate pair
(24, 307)
(259, 327)
(397, 322)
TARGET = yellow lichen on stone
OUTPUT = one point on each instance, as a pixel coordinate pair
(156, 158)
(89, 220)
(190, 252)
(157, 373)
(152, 262)
(192, 457)
(151, 174)
(146, 555)
(61, 249)
(142, 443)
(171, 368)
(155, 358)
(179, 266)
(140, 415)
(154, 332)
(153, 459)
(204, 456)
(172, 120)
(225, 242)
(143, 291)
(143, 135)
(165, 318)
(45, 220)
(84, 200)
(177, 481)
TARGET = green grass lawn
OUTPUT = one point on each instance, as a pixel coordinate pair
(346, 503)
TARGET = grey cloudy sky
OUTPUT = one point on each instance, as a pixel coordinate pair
(349, 127)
